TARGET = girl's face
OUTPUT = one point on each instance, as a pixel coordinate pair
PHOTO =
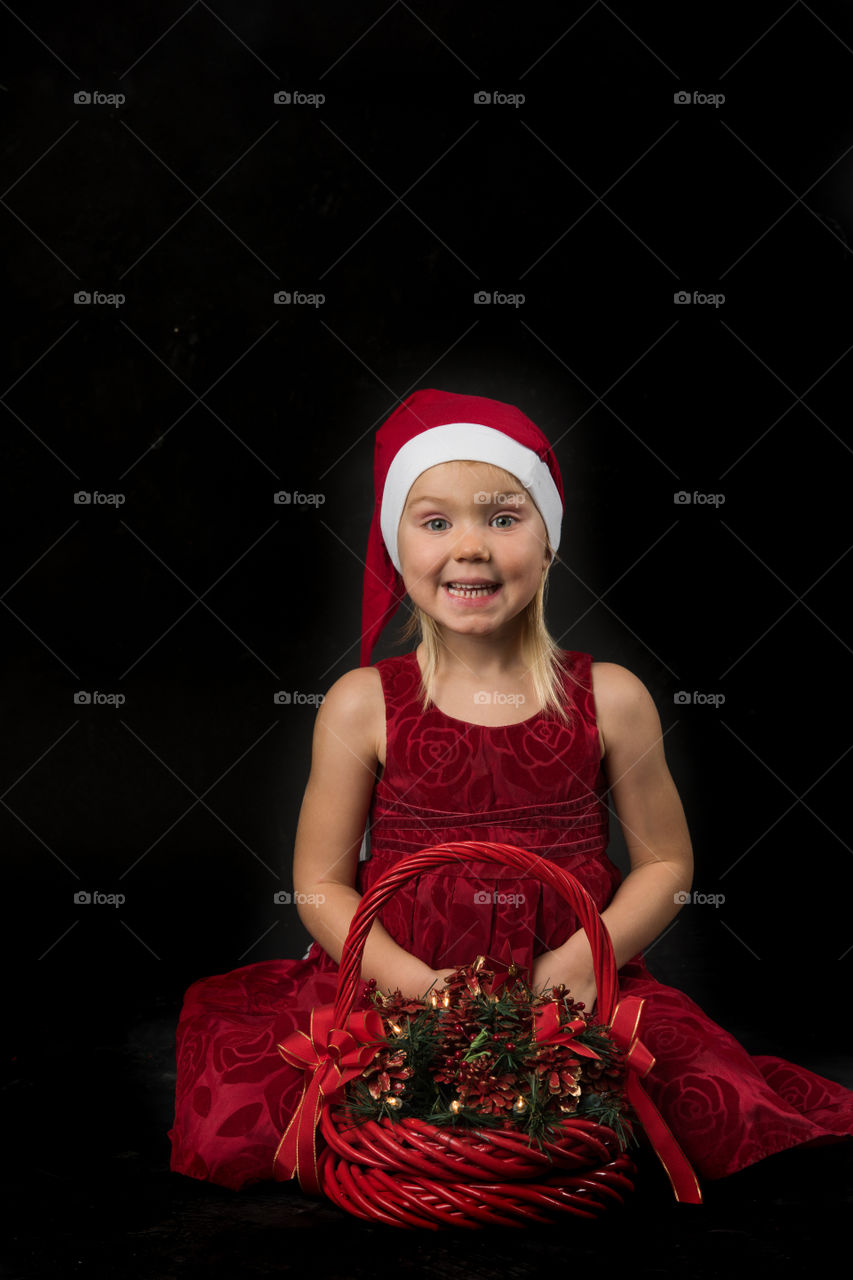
(467, 524)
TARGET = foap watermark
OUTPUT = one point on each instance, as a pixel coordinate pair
(95, 98)
(484, 896)
(292, 497)
(294, 298)
(296, 98)
(684, 697)
(283, 898)
(94, 498)
(497, 98)
(85, 298)
(83, 898)
(487, 297)
(484, 698)
(684, 298)
(499, 499)
(95, 698)
(682, 498)
(293, 698)
(695, 97)
(682, 897)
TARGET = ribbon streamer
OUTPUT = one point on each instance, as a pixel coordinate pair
(624, 1032)
(330, 1057)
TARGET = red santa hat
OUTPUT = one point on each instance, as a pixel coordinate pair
(430, 427)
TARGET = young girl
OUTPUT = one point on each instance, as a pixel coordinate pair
(486, 731)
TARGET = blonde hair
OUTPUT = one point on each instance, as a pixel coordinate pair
(540, 652)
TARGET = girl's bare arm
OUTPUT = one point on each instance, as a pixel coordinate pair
(331, 823)
(654, 826)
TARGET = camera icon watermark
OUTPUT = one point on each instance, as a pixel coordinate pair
(494, 297)
(283, 898)
(82, 898)
(684, 698)
(85, 698)
(495, 698)
(286, 498)
(288, 698)
(682, 498)
(293, 298)
(296, 98)
(696, 97)
(682, 897)
(86, 298)
(683, 298)
(85, 498)
(482, 897)
(496, 98)
(83, 98)
(500, 499)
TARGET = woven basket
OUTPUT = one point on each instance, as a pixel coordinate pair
(408, 1173)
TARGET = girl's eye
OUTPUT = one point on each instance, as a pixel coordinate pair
(440, 520)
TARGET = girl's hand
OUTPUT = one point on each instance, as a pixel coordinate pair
(440, 976)
(550, 969)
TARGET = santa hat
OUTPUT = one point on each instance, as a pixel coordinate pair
(430, 427)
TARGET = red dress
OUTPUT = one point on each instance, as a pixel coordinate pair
(539, 785)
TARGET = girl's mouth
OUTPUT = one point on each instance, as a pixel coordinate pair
(463, 591)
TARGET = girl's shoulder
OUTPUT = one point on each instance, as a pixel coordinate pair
(619, 696)
(615, 680)
(356, 687)
(356, 702)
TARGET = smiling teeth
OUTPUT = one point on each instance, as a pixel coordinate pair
(456, 590)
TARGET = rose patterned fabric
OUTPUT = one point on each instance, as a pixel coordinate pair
(538, 784)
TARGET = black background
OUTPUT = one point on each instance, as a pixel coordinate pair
(399, 198)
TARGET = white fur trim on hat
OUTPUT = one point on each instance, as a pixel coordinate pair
(455, 442)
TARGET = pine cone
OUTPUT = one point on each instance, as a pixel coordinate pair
(387, 1073)
(600, 1076)
(562, 996)
(468, 980)
(479, 1089)
(559, 1076)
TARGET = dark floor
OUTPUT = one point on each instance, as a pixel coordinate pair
(90, 1194)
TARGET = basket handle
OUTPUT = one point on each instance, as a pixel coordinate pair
(569, 888)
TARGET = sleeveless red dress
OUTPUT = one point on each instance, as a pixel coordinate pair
(539, 785)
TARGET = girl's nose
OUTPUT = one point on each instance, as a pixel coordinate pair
(472, 542)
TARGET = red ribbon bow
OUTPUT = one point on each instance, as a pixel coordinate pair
(624, 1032)
(330, 1058)
(547, 1030)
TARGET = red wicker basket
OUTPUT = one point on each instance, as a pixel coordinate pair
(408, 1173)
